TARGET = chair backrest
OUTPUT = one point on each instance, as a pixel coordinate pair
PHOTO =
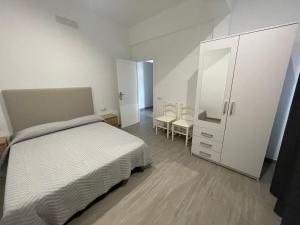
(187, 113)
(171, 110)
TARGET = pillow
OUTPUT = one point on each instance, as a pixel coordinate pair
(48, 128)
(86, 120)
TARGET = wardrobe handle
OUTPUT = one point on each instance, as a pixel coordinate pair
(225, 107)
(232, 108)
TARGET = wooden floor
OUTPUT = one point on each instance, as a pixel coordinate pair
(182, 190)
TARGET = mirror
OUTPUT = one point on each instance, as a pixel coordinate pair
(213, 85)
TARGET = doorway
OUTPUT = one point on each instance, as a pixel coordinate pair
(145, 90)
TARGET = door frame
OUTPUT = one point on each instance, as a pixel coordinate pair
(152, 79)
(153, 97)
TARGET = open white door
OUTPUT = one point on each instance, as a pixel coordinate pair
(128, 92)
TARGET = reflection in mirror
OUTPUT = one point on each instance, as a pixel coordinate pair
(214, 76)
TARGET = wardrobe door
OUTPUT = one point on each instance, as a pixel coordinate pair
(261, 65)
(216, 66)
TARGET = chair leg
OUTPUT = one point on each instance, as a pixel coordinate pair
(187, 136)
(172, 132)
(168, 128)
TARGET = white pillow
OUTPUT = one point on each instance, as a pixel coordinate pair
(47, 128)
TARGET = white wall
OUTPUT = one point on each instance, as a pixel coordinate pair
(145, 84)
(38, 52)
(172, 39)
(188, 14)
(175, 67)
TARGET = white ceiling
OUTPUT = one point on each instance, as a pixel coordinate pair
(131, 12)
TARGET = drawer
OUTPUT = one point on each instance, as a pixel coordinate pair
(208, 144)
(208, 134)
(206, 153)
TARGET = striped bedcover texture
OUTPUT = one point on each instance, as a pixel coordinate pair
(51, 177)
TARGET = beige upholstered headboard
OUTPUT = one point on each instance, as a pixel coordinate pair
(30, 107)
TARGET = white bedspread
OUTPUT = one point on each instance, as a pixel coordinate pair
(50, 178)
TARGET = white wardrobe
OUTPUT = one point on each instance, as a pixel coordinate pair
(239, 86)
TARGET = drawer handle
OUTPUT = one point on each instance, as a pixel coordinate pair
(207, 135)
(205, 145)
(205, 154)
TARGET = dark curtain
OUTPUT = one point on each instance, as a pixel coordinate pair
(286, 181)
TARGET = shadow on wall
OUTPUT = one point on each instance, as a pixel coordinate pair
(180, 53)
(178, 48)
(191, 89)
(176, 62)
(177, 68)
(179, 85)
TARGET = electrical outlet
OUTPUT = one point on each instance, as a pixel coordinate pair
(103, 109)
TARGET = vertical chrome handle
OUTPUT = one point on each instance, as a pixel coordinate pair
(232, 106)
(225, 107)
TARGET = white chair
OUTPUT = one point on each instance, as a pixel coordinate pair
(170, 115)
(185, 122)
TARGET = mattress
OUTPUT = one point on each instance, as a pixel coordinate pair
(52, 176)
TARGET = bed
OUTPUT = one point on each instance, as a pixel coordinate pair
(56, 169)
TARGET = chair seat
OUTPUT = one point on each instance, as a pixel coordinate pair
(183, 123)
(166, 119)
